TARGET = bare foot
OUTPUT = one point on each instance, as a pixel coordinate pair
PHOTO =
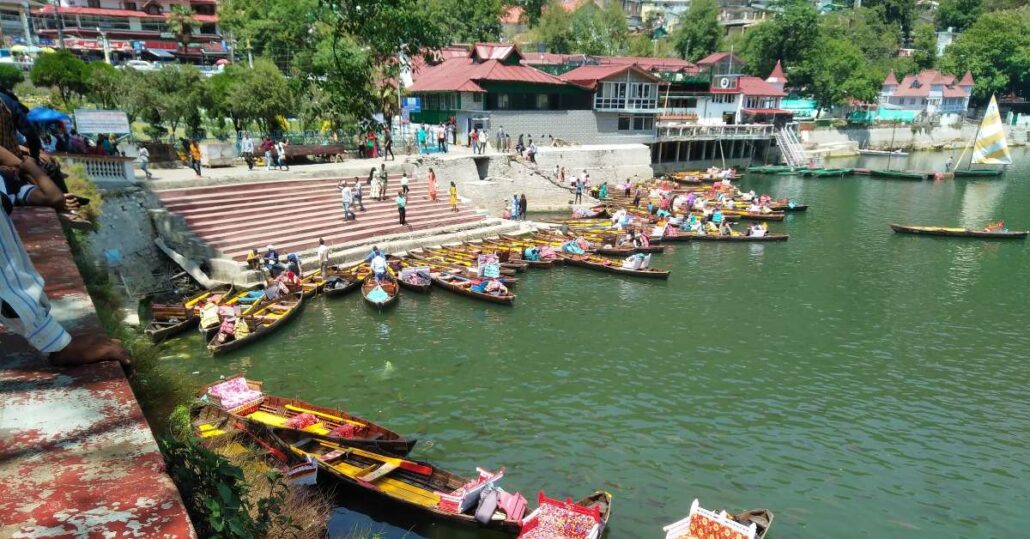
(91, 349)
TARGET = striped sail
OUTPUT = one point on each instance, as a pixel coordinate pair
(990, 147)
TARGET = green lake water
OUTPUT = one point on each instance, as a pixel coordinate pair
(856, 382)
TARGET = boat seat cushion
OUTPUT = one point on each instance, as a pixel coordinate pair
(234, 393)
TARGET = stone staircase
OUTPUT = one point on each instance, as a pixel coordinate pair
(222, 223)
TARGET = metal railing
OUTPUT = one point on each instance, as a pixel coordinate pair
(715, 132)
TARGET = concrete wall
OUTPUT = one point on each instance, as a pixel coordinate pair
(491, 180)
(576, 126)
(879, 138)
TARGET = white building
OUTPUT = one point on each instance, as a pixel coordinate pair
(930, 93)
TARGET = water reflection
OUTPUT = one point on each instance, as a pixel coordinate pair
(980, 202)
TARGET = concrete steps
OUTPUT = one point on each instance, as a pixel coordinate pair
(293, 214)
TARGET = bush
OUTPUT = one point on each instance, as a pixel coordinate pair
(62, 70)
(10, 76)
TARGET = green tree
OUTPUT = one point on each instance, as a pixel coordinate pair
(790, 37)
(10, 76)
(103, 84)
(898, 13)
(836, 70)
(470, 20)
(599, 31)
(924, 43)
(532, 10)
(286, 32)
(996, 50)
(178, 96)
(180, 22)
(245, 95)
(136, 94)
(555, 29)
(865, 28)
(958, 14)
(698, 33)
(61, 70)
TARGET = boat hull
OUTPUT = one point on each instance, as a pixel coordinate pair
(959, 232)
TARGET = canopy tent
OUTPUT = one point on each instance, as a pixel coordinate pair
(43, 115)
(885, 114)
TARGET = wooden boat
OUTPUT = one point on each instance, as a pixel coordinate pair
(752, 216)
(264, 411)
(463, 285)
(978, 172)
(407, 281)
(898, 152)
(556, 519)
(789, 208)
(500, 244)
(613, 266)
(339, 282)
(832, 172)
(458, 262)
(956, 232)
(415, 484)
(230, 299)
(694, 236)
(460, 253)
(754, 523)
(262, 321)
(369, 284)
(170, 319)
(897, 174)
(312, 283)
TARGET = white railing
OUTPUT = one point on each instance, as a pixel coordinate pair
(671, 131)
(103, 168)
(790, 146)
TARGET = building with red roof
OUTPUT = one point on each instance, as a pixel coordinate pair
(929, 93)
(137, 29)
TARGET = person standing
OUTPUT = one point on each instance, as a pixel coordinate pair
(482, 141)
(452, 193)
(195, 156)
(561, 175)
(388, 144)
(440, 140)
(522, 206)
(515, 206)
(144, 161)
(383, 177)
(420, 137)
(500, 139)
(431, 181)
(357, 194)
(402, 202)
(474, 141)
(452, 132)
(404, 183)
(532, 151)
(266, 148)
(280, 150)
(247, 151)
(323, 258)
(347, 199)
(579, 191)
(636, 198)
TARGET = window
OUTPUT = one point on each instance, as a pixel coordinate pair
(130, 6)
(724, 98)
(503, 102)
(624, 122)
(477, 98)
(610, 95)
(636, 122)
(93, 3)
(542, 102)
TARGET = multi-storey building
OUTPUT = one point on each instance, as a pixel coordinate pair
(929, 93)
(131, 29)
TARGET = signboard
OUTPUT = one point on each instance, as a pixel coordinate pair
(95, 122)
(413, 104)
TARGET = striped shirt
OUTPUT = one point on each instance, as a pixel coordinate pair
(24, 308)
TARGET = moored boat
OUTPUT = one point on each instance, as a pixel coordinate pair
(414, 484)
(244, 400)
(339, 282)
(613, 266)
(557, 519)
(897, 174)
(470, 287)
(694, 236)
(957, 232)
(379, 294)
(257, 324)
(701, 522)
(979, 172)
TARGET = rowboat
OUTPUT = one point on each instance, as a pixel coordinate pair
(556, 519)
(245, 298)
(454, 261)
(789, 208)
(694, 236)
(831, 172)
(243, 400)
(753, 216)
(978, 172)
(379, 294)
(753, 524)
(897, 174)
(410, 280)
(339, 282)
(499, 244)
(613, 266)
(463, 285)
(264, 320)
(465, 254)
(414, 484)
(170, 319)
(312, 284)
(959, 232)
(898, 152)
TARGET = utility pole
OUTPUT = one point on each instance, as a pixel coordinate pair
(60, 23)
(105, 44)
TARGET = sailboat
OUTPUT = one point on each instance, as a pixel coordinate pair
(989, 146)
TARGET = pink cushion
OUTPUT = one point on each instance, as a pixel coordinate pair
(234, 393)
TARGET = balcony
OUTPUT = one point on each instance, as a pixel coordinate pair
(669, 131)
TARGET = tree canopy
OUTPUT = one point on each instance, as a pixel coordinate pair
(10, 75)
(958, 14)
(698, 33)
(996, 49)
(61, 70)
(469, 21)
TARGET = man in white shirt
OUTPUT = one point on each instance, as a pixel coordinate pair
(347, 197)
(144, 161)
(379, 267)
(323, 257)
(247, 150)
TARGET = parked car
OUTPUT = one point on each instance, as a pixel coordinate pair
(139, 65)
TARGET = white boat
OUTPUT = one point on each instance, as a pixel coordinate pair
(898, 152)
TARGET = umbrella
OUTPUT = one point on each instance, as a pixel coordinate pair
(32, 49)
(19, 48)
(222, 62)
(44, 115)
(47, 50)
